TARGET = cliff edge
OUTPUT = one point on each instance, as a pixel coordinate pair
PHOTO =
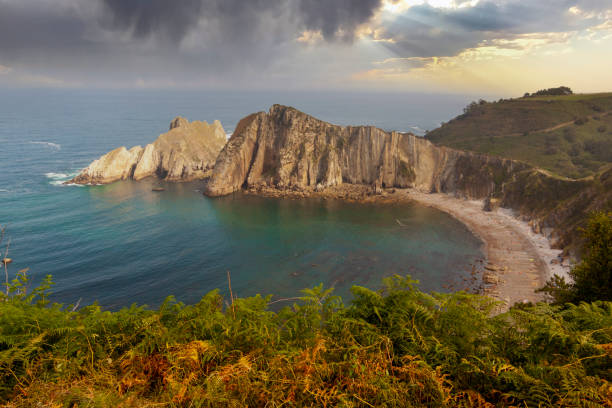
(186, 152)
(286, 148)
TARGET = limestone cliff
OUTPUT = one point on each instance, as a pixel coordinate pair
(286, 148)
(186, 152)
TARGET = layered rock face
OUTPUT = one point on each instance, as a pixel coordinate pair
(186, 152)
(286, 148)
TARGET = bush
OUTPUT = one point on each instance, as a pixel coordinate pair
(597, 108)
(569, 134)
(575, 150)
(592, 278)
(581, 121)
(551, 150)
(602, 129)
(562, 90)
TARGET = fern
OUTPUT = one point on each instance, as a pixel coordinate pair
(397, 347)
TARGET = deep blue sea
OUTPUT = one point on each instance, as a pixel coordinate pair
(122, 243)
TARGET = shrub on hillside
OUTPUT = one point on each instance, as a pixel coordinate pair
(475, 108)
(592, 277)
(581, 121)
(562, 90)
(600, 149)
(569, 134)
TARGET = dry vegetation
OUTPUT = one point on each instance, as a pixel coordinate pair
(396, 348)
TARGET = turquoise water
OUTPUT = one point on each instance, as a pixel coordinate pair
(123, 243)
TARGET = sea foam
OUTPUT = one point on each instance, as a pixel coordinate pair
(58, 179)
(55, 146)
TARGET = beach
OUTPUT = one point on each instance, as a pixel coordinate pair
(518, 259)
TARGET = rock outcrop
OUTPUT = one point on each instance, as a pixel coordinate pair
(286, 148)
(186, 152)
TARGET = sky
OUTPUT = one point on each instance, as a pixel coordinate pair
(504, 47)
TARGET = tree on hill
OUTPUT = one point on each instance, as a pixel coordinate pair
(475, 107)
(592, 278)
(562, 90)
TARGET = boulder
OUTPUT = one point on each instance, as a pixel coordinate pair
(491, 204)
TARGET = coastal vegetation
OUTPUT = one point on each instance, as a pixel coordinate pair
(562, 90)
(394, 347)
(592, 277)
(563, 133)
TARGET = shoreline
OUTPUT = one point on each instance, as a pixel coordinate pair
(518, 261)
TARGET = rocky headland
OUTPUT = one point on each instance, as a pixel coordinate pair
(289, 149)
(186, 152)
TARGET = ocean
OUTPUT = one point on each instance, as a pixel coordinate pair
(122, 243)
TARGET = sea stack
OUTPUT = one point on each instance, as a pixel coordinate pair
(186, 152)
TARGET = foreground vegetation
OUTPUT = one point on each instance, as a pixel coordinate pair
(397, 347)
(566, 134)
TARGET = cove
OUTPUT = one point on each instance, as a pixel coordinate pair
(127, 244)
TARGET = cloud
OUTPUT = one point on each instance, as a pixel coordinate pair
(426, 31)
(4, 69)
(248, 43)
(337, 18)
(171, 19)
(237, 19)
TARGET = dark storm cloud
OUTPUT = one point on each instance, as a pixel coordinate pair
(120, 39)
(334, 16)
(27, 27)
(336, 19)
(145, 17)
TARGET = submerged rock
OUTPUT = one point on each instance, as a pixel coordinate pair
(186, 152)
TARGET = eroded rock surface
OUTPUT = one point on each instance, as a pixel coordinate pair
(186, 152)
(286, 148)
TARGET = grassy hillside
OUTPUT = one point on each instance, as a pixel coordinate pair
(397, 347)
(570, 135)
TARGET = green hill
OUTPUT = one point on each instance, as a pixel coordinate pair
(570, 135)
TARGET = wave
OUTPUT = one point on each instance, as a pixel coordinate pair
(58, 176)
(62, 183)
(55, 146)
(58, 179)
(4, 191)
